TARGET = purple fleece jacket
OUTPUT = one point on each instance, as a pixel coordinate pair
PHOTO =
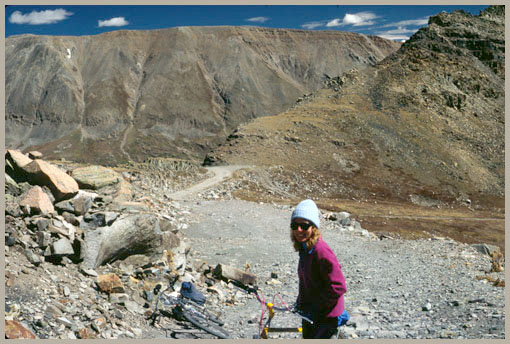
(321, 282)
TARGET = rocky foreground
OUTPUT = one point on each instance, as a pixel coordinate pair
(85, 247)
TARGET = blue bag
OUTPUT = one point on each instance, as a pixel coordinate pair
(343, 318)
(190, 291)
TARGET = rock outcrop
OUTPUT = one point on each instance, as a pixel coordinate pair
(95, 177)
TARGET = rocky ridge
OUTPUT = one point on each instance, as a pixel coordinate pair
(459, 294)
(427, 121)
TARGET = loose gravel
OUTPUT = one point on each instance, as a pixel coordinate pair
(425, 288)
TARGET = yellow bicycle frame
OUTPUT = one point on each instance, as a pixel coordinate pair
(268, 329)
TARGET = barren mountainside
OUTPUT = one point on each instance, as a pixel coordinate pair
(426, 123)
(126, 95)
(401, 146)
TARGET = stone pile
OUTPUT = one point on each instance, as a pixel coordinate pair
(83, 263)
(63, 230)
(87, 265)
(161, 177)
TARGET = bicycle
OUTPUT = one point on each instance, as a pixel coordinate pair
(182, 308)
(271, 307)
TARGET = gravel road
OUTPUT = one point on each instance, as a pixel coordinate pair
(218, 174)
(424, 288)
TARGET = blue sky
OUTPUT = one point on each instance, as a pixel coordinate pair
(392, 22)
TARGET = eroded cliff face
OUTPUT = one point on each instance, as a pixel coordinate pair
(126, 95)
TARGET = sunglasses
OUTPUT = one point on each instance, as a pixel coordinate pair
(304, 226)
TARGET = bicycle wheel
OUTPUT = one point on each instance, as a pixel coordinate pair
(201, 312)
(206, 325)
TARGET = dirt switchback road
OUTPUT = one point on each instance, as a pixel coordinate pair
(219, 174)
(254, 236)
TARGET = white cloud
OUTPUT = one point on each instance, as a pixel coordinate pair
(38, 18)
(312, 25)
(399, 30)
(258, 19)
(357, 19)
(117, 21)
(412, 22)
(394, 37)
(334, 22)
(400, 33)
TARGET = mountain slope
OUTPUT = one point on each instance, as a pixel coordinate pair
(130, 94)
(426, 122)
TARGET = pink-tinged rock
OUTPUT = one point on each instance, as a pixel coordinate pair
(86, 333)
(62, 185)
(38, 201)
(110, 283)
(17, 158)
(14, 330)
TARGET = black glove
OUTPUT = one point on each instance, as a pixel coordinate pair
(296, 308)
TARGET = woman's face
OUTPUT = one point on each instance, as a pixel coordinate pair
(301, 234)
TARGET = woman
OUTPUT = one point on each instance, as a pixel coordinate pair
(321, 282)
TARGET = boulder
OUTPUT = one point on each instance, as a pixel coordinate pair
(133, 234)
(32, 257)
(63, 206)
(15, 330)
(12, 207)
(486, 248)
(38, 201)
(82, 205)
(11, 187)
(42, 224)
(124, 192)
(62, 247)
(62, 185)
(231, 273)
(110, 283)
(43, 239)
(15, 160)
(71, 218)
(101, 219)
(78, 206)
(95, 177)
(35, 155)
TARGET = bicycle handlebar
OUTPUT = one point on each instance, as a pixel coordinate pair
(254, 290)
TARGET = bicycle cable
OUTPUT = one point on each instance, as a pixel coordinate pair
(282, 302)
(263, 306)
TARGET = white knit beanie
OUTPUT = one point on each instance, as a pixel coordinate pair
(307, 210)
